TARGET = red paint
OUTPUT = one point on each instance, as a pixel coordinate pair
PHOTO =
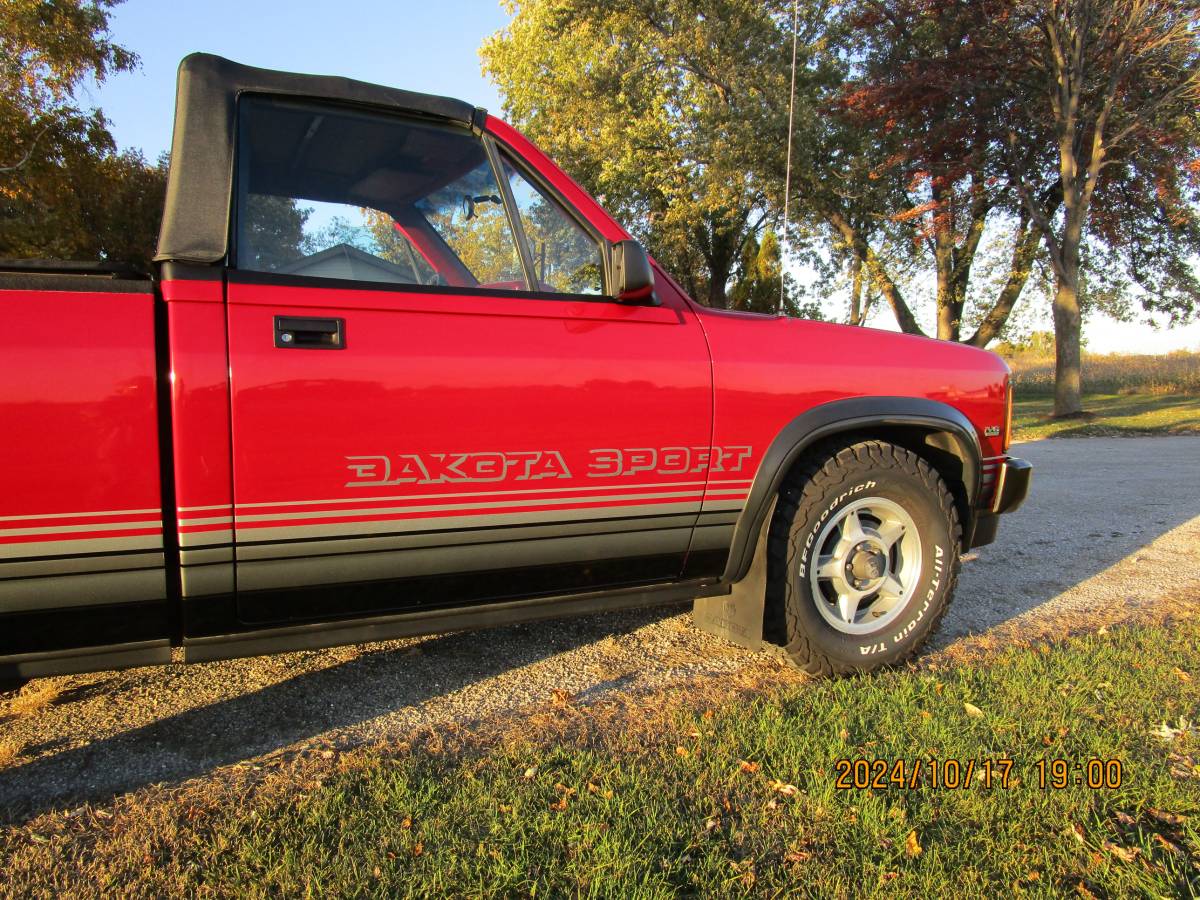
(200, 402)
(423, 373)
(77, 402)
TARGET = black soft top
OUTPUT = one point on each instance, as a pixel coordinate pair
(195, 224)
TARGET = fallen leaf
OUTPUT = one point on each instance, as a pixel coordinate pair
(885, 877)
(926, 714)
(973, 711)
(1082, 890)
(1125, 854)
(788, 790)
(530, 773)
(418, 848)
(683, 751)
(844, 734)
(593, 788)
(406, 822)
(694, 734)
(1180, 674)
(748, 767)
(708, 714)
(712, 824)
(561, 804)
(1167, 845)
(912, 847)
(797, 856)
(1167, 818)
(1077, 832)
(1125, 819)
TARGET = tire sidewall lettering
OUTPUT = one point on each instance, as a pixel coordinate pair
(938, 554)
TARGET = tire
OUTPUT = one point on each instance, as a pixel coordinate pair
(853, 599)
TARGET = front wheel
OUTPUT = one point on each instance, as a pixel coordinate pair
(864, 554)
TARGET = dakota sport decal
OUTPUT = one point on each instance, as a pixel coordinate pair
(535, 465)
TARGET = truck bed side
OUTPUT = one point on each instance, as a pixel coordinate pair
(81, 538)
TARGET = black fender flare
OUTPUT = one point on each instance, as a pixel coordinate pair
(828, 419)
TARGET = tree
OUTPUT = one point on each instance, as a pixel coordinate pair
(907, 81)
(1112, 88)
(64, 190)
(653, 105)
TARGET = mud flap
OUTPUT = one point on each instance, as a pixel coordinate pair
(738, 616)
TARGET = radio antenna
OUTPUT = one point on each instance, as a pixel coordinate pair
(786, 243)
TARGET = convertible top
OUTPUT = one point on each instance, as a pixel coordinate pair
(195, 226)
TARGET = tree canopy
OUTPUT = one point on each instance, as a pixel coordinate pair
(64, 190)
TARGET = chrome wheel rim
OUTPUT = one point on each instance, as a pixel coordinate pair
(866, 566)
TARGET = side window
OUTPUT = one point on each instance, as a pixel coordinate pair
(566, 259)
(330, 192)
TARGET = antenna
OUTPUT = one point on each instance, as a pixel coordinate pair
(786, 243)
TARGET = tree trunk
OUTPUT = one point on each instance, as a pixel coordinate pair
(857, 313)
(1024, 253)
(718, 278)
(879, 278)
(948, 313)
(1068, 388)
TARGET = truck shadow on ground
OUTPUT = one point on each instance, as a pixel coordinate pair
(196, 741)
(1087, 512)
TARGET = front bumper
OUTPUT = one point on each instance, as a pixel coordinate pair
(1012, 485)
(1011, 488)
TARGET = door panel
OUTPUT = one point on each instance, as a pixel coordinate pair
(461, 432)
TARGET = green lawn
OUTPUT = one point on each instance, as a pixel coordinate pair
(737, 801)
(1112, 414)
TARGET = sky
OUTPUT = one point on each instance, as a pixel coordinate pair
(429, 46)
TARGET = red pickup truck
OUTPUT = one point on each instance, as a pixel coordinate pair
(396, 373)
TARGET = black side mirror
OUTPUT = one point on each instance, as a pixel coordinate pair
(632, 275)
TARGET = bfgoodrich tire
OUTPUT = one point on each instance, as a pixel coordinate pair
(863, 555)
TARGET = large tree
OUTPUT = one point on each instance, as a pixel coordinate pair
(909, 78)
(1113, 86)
(656, 107)
(1092, 109)
(64, 190)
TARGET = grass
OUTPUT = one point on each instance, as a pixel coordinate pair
(9, 751)
(34, 697)
(1123, 395)
(1108, 415)
(733, 801)
(1114, 373)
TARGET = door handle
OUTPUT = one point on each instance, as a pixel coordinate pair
(292, 333)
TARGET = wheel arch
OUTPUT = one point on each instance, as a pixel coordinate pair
(936, 431)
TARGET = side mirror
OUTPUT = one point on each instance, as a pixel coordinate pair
(632, 275)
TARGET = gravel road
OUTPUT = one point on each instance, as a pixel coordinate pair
(1111, 531)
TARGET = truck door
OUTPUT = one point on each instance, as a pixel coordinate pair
(433, 399)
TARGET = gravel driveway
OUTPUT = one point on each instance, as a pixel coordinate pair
(1112, 530)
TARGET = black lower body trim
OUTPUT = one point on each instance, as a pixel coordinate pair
(340, 601)
(379, 628)
(87, 659)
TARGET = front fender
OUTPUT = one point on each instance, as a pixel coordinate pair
(856, 414)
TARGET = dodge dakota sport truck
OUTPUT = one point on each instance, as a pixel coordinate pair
(396, 373)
